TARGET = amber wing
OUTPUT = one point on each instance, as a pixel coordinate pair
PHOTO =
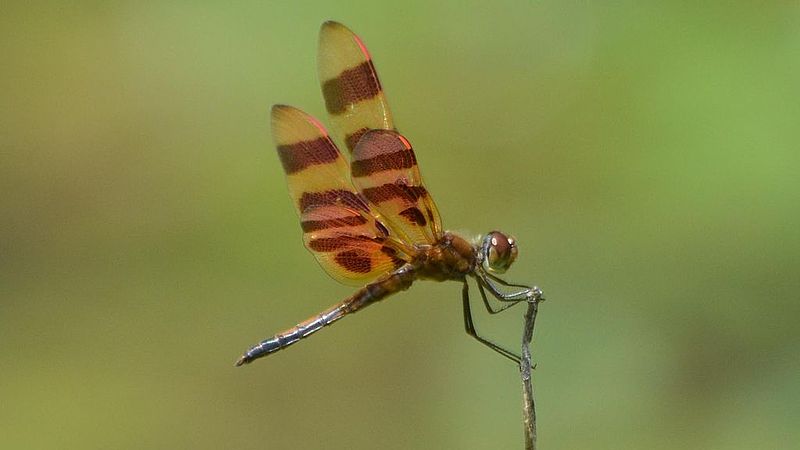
(384, 167)
(353, 94)
(339, 227)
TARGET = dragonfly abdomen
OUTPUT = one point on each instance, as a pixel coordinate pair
(396, 281)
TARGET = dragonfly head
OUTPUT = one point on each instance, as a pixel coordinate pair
(498, 251)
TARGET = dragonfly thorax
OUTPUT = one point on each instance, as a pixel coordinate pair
(450, 258)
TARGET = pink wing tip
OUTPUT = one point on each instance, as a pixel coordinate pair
(279, 108)
(332, 25)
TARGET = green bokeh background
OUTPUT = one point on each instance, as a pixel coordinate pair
(644, 154)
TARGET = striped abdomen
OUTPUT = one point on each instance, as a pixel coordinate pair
(398, 280)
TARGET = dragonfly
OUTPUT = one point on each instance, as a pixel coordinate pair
(371, 222)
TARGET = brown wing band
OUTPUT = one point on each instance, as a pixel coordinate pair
(351, 86)
(296, 157)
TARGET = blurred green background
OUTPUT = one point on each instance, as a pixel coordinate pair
(645, 156)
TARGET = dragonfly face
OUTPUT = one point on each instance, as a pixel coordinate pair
(498, 252)
(366, 216)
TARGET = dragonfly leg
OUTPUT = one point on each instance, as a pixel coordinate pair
(527, 293)
(488, 305)
(470, 328)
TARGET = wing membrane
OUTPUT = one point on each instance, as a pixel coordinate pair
(385, 171)
(339, 227)
(353, 94)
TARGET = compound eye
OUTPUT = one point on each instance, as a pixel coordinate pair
(501, 251)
